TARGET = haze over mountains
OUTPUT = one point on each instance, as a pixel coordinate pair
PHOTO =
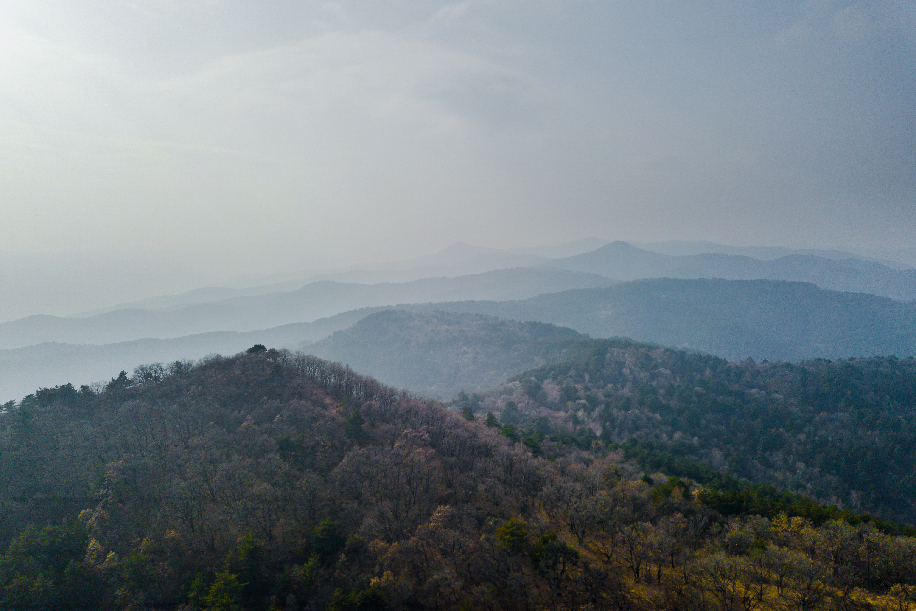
(313, 301)
(792, 305)
(623, 261)
(438, 354)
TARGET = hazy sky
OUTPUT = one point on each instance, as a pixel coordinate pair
(300, 133)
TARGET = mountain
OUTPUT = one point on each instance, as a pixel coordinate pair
(313, 301)
(438, 354)
(23, 370)
(65, 283)
(680, 248)
(567, 249)
(623, 262)
(194, 297)
(845, 421)
(273, 480)
(734, 319)
(839, 431)
(622, 390)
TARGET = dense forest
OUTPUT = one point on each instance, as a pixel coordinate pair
(273, 480)
(838, 431)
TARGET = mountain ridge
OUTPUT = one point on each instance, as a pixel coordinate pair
(314, 301)
(624, 262)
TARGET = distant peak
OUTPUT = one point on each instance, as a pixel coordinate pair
(620, 246)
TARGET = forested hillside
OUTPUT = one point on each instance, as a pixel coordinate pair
(734, 319)
(839, 431)
(278, 481)
(438, 354)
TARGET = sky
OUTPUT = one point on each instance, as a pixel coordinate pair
(234, 136)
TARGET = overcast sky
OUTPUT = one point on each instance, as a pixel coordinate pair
(289, 134)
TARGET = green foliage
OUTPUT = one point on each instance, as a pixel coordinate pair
(509, 414)
(532, 440)
(510, 432)
(208, 489)
(582, 438)
(731, 496)
(248, 563)
(137, 571)
(664, 491)
(197, 591)
(65, 394)
(225, 594)
(568, 393)
(327, 541)
(41, 568)
(368, 599)
(513, 534)
(648, 456)
(354, 427)
(551, 555)
(118, 385)
(851, 423)
(532, 389)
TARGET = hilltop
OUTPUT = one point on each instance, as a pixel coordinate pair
(275, 480)
(438, 353)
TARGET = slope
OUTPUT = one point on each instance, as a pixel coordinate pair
(438, 354)
(839, 431)
(734, 319)
(272, 480)
(22, 370)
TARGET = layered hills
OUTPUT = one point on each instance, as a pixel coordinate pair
(623, 261)
(438, 354)
(274, 480)
(734, 319)
(768, 315)
(838, 431)
(313, 301)
(834, 430)
(731, 319)
(571, 470)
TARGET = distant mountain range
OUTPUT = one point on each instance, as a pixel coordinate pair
(724, 303)
(433, 353)
(734, 319)
(622, 261)
(760, 319)
(238, 310)
(311, 302)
